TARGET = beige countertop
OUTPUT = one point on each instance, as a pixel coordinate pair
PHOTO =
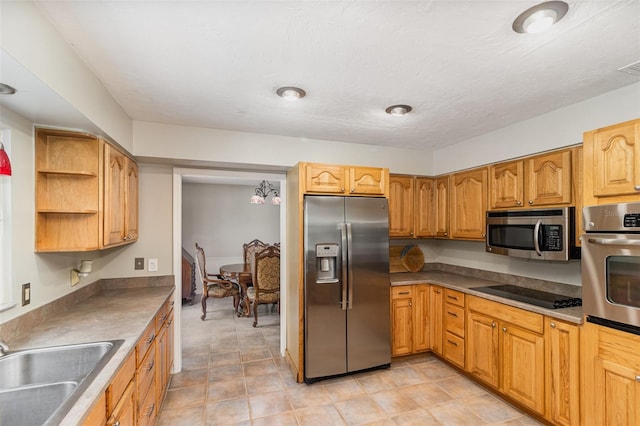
(467, 283)
(108, 315)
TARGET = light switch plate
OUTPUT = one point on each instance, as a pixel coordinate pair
(26, 294)
(153, 265)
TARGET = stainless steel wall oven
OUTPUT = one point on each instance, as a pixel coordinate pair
(611, 265)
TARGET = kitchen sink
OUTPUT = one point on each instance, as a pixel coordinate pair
(33, 405)
(39, 386)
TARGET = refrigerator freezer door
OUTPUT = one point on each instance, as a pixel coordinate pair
(325, 320)
(368, 326)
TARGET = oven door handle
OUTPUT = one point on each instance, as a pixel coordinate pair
(614, 241)
(536, 239)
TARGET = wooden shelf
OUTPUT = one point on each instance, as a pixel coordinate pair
(69, 172)
(53, 211)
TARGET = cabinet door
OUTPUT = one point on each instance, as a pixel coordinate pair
(125, 411)
(549, 179)
(614, 153)
(401, 320)
(367, 181)
(161, 371)
(469, 204)
(98, 414)
(425, 207)
(131, 205)
(442, 207)
(619, 393)
(435, 318)
(563, 369)
(401, 206)
(483, 348)
(506, 183)
(114, 195)
(523, 366)
(421, 318)
(325, 178)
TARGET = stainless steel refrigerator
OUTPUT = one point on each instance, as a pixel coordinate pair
(346, 286)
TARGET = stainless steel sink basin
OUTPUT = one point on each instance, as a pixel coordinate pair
(33, 405)
(48, 381)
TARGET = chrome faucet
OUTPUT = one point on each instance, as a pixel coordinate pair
(4, 348)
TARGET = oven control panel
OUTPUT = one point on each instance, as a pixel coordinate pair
(632, 220)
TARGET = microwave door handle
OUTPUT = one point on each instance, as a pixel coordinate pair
(614, 241)
(536, 237)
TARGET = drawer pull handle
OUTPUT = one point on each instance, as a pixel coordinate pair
(453, 343)
(151, 409)
(150, 367)
(150, 339)
(164, 317)
(452, 314)
(404, 292)
(452, 297)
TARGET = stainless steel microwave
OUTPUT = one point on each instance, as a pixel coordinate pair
(541, 234)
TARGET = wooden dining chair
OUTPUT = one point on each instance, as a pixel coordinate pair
(251, 248)
(266, 280)
(213, 285)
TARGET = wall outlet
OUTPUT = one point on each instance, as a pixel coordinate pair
(153, 265)
(26, 294)
(139, 263)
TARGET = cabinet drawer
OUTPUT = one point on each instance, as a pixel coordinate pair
(454, 297)
(161, 316)
(454, 319)
(120, 382)
(454, 349)
(402, 292)
(146, 374)
(516, 316)
(145, 342)
(147, 409)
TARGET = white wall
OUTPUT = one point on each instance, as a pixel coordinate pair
(220, 219)
(555, 129)
(229, 149)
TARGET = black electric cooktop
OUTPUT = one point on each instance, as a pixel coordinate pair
(531, 296)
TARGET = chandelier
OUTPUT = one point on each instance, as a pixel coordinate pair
(265, 189)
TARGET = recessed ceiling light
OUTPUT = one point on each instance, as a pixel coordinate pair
(398, 109)
(5, 89)
(291, 93)
(540, 17)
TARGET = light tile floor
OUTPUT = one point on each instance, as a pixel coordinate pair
(233, 374)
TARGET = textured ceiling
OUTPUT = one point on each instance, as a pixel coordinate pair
(217, 64)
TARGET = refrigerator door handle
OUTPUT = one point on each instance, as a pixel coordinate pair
(344, 251)
(350, 269)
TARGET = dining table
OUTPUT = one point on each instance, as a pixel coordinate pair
(239, 273)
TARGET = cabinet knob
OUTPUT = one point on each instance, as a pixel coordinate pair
(637, 378)
(504, 329)
(117, 423)
(552, 325)
(637, 187)
(518, 203)
(410, 303)
(493, 325)
(353, 190)
(342, 189)
(530, 201)
(446, 233)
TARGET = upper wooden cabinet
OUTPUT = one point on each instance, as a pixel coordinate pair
(345, 180)
(418, 206)
(540, 180)
(401, 207)
(120, 198)
(612, 159)
(468, 192)
(86, 193)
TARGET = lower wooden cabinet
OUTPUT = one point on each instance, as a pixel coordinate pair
(610, 376)
(98, 414)
(454, 327)
(505, 349)
(124, 412)
(409, 319)
(436, 297)
(562, 356)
